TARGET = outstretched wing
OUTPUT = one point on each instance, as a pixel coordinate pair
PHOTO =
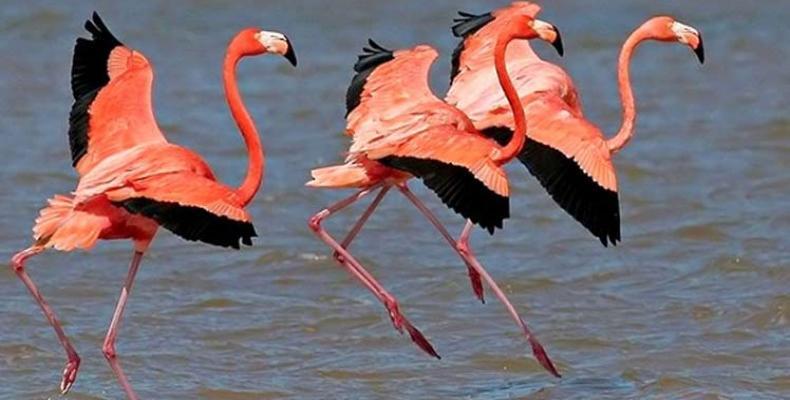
(395, 119)
(175, 188)
(390, 100)
(111, 85)
(457, 166)
(189, 205)
(570, 158)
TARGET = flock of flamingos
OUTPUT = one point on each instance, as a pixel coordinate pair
(504, 103)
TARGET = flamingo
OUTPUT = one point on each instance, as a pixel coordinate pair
(132, 180)
(400, 129)
(569, 155)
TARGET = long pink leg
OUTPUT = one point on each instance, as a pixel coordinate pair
(537, 349)
(108, 348)
(399, 321)
(474, 276)
(73, 362)
(361, 222)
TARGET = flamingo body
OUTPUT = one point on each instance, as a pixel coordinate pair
(132, 181)
(399, 128)
(568, 155)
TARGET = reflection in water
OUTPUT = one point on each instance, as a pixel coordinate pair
(693, 303)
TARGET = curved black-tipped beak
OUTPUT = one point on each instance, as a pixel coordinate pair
(290, 55)
(557, 43)
(700, 51)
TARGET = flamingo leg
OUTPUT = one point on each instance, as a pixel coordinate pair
(469, 259)
(399, 321)
(108, 348)
(537, 349)
(360, 222)
(73, 361)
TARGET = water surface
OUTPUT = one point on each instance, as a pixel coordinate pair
(694, 304)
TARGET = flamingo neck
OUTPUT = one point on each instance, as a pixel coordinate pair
(255, 167)
(626, 131)
(513, 148)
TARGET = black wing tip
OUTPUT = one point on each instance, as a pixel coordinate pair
(469, 23)
(372, 56)
(99, 31)
(193, 223)
(465, 26)
(88, 75)
(458, 189)
(593, 206)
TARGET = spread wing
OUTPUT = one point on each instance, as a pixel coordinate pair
(570, 158)
(175, 188)
(457, 166)
(395, 119)
(111, 85)
(189, 205)
(390, 100)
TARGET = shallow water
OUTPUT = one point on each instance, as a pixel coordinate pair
(694, 304)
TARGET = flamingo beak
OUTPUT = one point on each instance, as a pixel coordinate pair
(549, 33)
(691, 37)
(557, 43)
(700, 50)
(290, 55)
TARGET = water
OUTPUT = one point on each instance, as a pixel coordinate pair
(693, 305)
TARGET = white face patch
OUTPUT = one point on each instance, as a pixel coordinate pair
(545, 30)
(273, 42)
(683, 31)
(539, 25)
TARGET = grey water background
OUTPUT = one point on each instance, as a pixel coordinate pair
(694, 304)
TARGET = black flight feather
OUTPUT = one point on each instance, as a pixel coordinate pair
(370, 58)
(192, 223)
(88, 75)
(465, 26)
(458, 189)
(596, 208)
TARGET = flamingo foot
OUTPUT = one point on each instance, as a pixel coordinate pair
(477, 283)
(400, 322)
(543, 358)
(69, 374)
(419, 339)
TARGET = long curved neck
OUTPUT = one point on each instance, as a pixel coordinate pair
(626, 92)
(516, 143)
(255, 167)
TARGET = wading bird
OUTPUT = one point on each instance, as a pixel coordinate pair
(400, 129)
(132, 180)
(569, 155)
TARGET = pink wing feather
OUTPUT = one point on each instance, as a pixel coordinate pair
(397, 103)
(112, 108)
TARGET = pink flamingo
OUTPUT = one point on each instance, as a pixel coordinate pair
(132, 180)
(401, 129)
(569, 155)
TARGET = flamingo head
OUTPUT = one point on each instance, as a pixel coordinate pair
(667, 29)
(253, 42)
(550, 34)
(525, 27)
